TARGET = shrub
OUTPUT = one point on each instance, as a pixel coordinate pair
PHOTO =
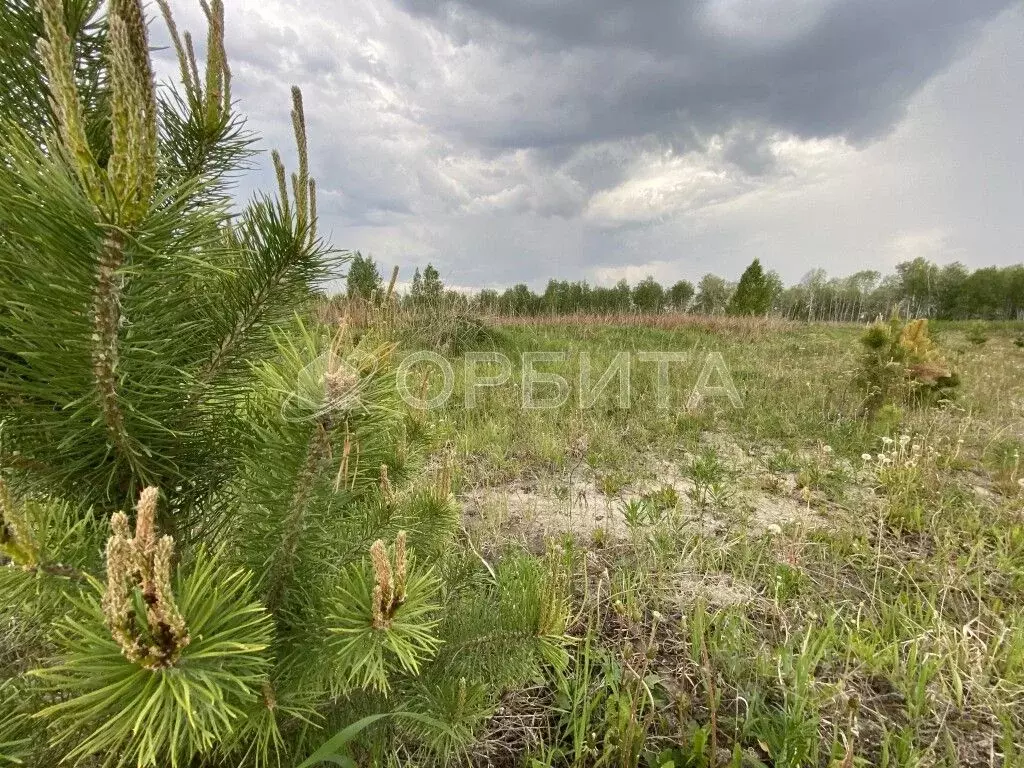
(977, 334)
(901, 363)
(288, 568)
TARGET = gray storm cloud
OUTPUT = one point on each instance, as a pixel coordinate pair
(606, 70)
(515, 141)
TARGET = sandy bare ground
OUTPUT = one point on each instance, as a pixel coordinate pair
(760, 501)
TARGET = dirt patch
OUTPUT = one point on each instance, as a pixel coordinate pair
(768, 510)
(715, 589)
(760, 501)
(665, 473)
(533, 514)
(534, 511)
(740, 460)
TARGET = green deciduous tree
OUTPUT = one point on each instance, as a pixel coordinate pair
(712, 295)
(363, 278)
(218, 544)
(680, 295)
(648, 296)
(918, 285)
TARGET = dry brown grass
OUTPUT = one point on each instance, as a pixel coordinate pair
(666, 321)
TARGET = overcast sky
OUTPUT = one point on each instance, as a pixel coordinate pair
(516, 140)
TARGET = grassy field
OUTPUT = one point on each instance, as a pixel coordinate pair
(786, 582)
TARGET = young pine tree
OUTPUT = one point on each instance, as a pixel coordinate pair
(416, 291)
(902, 363)
(432, 287)
(217, 542)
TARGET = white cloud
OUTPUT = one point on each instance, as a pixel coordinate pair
(665, 272)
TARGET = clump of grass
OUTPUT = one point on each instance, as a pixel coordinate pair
(711, 481)
(612, 483)
(638, 512)
(662, 500)
(900, 468)
(444, 325)
(977, 334)
(823, 473)
(888, 419)
(1003, 459)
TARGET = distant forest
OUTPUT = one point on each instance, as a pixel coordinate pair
(917, 288)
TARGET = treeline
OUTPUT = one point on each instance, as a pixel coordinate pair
(918, 288)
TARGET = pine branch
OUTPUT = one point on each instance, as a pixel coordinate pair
(55, 52)
(203, 138)
(300, 182)
(131, 169)
(276, 275)
(61, 570)
(187, 81)
(304, 261)
(120, 707)
(106, 321)
(312, 468)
